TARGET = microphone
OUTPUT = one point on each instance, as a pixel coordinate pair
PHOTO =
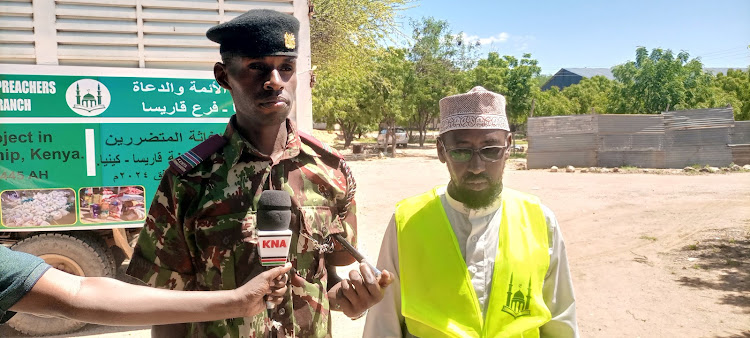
(272, 226)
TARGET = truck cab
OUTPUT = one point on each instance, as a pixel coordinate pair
(96, 98)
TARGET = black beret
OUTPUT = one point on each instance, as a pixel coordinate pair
(258, 32)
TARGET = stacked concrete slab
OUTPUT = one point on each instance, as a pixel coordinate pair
(740, 146)
(563, 141)
(672, 139)
(698, 136)
(635, 140)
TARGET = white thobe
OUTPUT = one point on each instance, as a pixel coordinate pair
(477, 234)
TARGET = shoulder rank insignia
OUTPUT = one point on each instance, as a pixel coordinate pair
(318, 145)
(191, 159)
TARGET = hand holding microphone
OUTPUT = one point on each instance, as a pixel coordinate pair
(274, 237)
(268, 287)
(353, 296)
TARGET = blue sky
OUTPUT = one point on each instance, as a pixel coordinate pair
(598, 33)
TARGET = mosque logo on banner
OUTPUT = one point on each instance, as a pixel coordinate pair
(88, 97)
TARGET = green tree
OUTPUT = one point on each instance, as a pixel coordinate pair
(342, 32)
(552, 102)
(389, 88)
(520, 84)
(337, 98)
(657, 82)
(438, 58)
(733, 88)
(591, 95)
(345, 37)
(515, 78)
(490, 73)
(542, 79)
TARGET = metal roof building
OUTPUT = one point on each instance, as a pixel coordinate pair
(570, 76)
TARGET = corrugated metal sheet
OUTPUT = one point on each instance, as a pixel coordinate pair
(536, 160)
(569, 76)
(740, 154)
(641, 159)
(698, 137)
(563, 78)
(699, 118)
(630, 124)
(740, 133)
(561, 125)
(680, 157)
(562, 141)
(673, 139)
(640, 134)
(569, 142)
(634, 142)
(591, 72)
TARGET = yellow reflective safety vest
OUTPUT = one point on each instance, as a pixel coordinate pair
(437, 296)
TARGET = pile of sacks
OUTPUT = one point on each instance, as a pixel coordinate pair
(41, 209)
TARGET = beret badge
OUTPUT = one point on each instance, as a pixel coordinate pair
(258, 32)
(289, 41)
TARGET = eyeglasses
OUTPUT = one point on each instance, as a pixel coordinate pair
(487, 154)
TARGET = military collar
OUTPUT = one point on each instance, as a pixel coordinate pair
(237, 145)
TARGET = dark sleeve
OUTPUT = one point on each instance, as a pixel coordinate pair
(19, 272)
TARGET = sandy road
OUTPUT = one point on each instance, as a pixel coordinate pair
(651, 255)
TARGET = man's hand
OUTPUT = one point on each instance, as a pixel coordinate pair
(271, 283)
(361, 291)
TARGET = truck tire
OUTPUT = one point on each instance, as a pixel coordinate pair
(75, 253)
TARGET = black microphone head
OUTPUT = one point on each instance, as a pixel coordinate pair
(274, 210)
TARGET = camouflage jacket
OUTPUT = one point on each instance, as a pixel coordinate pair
(192, 237)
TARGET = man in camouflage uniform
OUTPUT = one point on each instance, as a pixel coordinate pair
(193, 236)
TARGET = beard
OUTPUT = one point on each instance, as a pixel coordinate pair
(474, 199)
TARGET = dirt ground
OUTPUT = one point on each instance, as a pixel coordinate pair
(652, 255)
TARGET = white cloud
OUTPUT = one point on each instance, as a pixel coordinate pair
(499, 38)
(523, 42)
(502, 37)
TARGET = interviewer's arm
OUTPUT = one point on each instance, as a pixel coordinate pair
(108, 301)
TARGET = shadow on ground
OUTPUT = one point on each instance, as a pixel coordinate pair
(725, 255)
(745, 334)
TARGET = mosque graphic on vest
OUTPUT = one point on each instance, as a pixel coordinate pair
(517, 304)
(89, 102)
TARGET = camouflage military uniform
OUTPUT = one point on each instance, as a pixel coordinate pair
(192, 239)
